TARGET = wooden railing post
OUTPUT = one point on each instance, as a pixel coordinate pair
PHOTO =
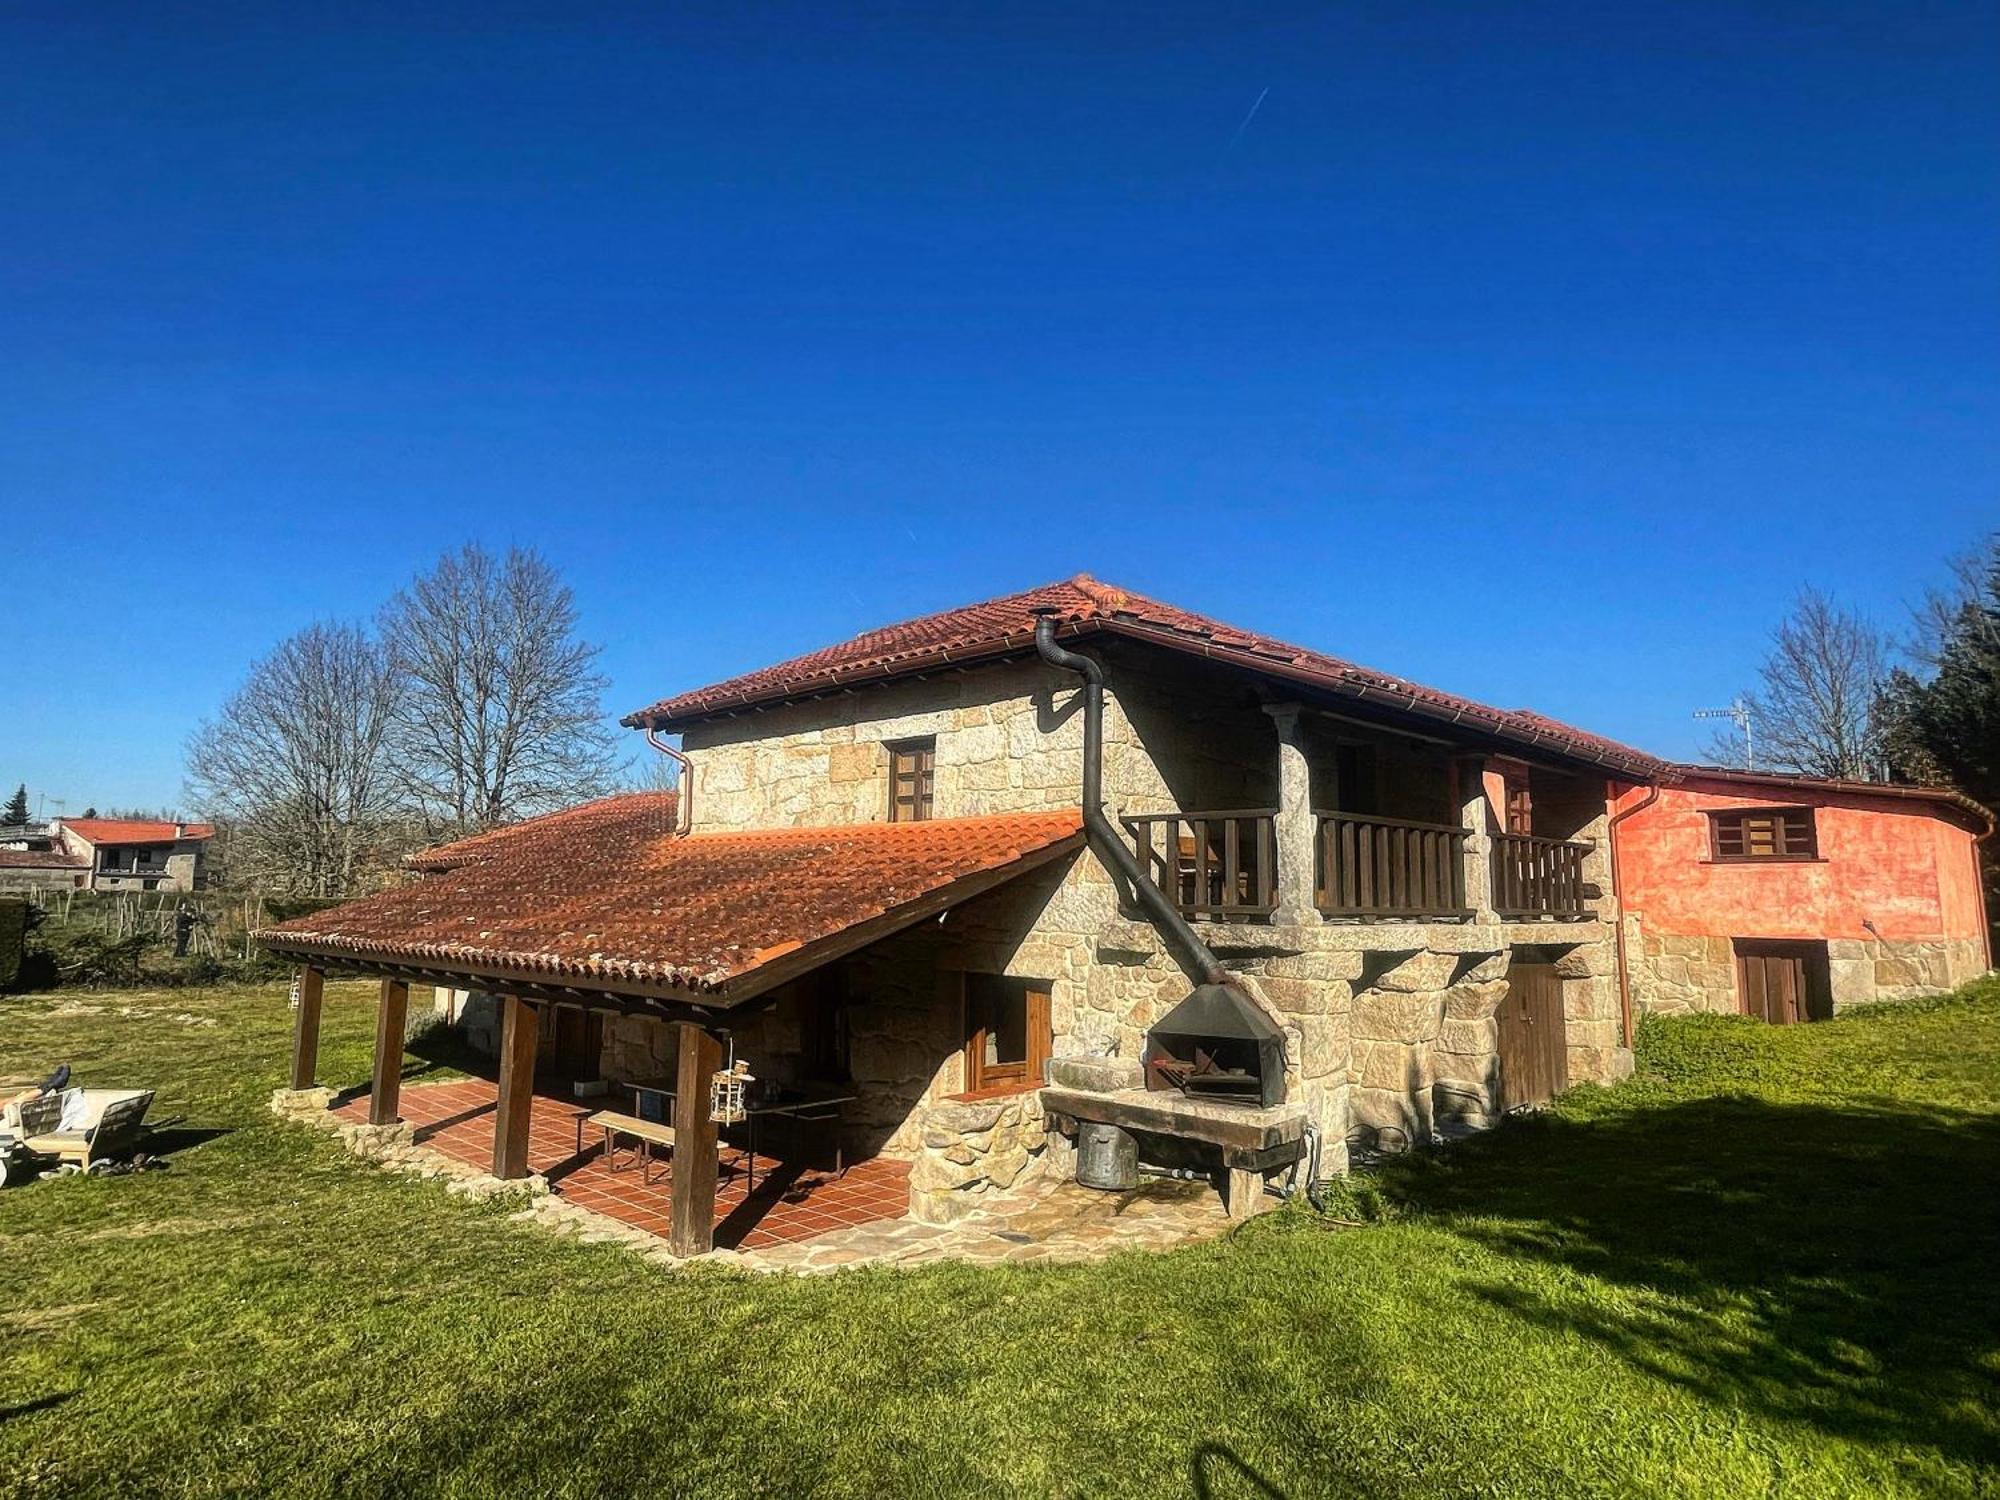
(1382, 868)
(386, 1092)
(1538, 877)
(519, 1030)
(305, 1027)
(691, 1190)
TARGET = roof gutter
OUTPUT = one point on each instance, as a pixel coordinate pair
(684, 793)
(1104, 839)
(1618, 900)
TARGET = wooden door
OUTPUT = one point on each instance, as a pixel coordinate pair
(1534, 1055)
(1783, 983)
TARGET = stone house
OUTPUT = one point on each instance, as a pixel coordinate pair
(1246, 906)
(106, 854)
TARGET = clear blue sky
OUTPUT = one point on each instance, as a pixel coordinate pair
(1536, 353)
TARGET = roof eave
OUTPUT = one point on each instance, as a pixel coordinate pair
(1636, 768)
(722, 992)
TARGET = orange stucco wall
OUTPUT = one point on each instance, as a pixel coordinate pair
(1907, 867)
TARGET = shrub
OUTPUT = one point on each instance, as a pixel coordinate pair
(14, 924)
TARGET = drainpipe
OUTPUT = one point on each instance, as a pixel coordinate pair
(684, 793)
(1105, 839)
(1618, 900)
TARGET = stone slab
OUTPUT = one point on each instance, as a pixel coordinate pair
(1232, 1127)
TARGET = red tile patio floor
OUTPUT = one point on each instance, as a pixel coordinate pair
(789, 1204)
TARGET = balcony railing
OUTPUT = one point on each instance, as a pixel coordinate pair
(1372, 867)
(1537, 877)
(1211, 864)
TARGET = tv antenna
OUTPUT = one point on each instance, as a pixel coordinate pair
(1739, 713)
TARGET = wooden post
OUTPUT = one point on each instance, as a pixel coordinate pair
(305, 1028)
(387, 1091)
(519, 1027)
(691, 1225)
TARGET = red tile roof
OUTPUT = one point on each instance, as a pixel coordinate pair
(42, 859)
(135, 830)
(496, 842)
(1084, 606)
(606, 897)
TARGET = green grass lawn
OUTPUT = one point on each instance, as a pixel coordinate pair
(1765, 1267)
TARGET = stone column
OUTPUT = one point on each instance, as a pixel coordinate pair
(1297, 827)
(1475, 814)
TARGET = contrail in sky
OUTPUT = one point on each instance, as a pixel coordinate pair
(1247, 119)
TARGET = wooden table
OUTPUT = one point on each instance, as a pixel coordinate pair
(808, 1102)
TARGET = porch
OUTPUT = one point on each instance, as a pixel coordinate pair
(789, 1203)
(1370, 825)
(1228, 866)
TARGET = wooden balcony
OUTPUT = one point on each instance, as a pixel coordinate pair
(1211, 864)
(1383, 869)
(1537, 878)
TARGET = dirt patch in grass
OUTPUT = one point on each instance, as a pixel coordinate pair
(147, 1229)
(44, 1319)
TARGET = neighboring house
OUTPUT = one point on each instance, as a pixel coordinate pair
(1789, 897)
(31, 857)
(1364, 911)
(105, 854)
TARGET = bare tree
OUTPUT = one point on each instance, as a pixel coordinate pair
(501, 713)
(296, 762)
(1821, 683)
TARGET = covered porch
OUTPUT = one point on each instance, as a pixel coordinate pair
(717, 949)
(789, 1203)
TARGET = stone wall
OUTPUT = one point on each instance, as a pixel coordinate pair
(1009, 739)
(1390, 1028)
(1673, 974)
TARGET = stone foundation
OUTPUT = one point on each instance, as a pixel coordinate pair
(394, 1147)
(1674, 974)
(972, 1148)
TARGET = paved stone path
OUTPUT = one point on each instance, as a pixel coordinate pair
(1047, 1223)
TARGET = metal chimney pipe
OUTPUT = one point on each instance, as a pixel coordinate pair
(1110, 847)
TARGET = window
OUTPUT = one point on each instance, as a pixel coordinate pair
(1763, 833)
(1520, 807)
(910, 766)
(1007, 1036)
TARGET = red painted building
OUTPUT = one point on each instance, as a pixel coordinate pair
(1788, 897)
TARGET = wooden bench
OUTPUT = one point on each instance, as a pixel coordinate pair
(646, 1133)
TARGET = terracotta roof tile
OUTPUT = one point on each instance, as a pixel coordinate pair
(42, 859)
(606, 894)
(496, 841)
(1083, 606)
(134, 830)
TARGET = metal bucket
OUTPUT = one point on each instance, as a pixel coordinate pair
(1106, 1157)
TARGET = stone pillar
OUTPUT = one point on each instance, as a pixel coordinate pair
(1475, 814)
(1297, 827)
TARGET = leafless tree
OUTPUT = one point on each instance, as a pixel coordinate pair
(501, 713)
(1952, 614)
(296, 762)
(1821, 683)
